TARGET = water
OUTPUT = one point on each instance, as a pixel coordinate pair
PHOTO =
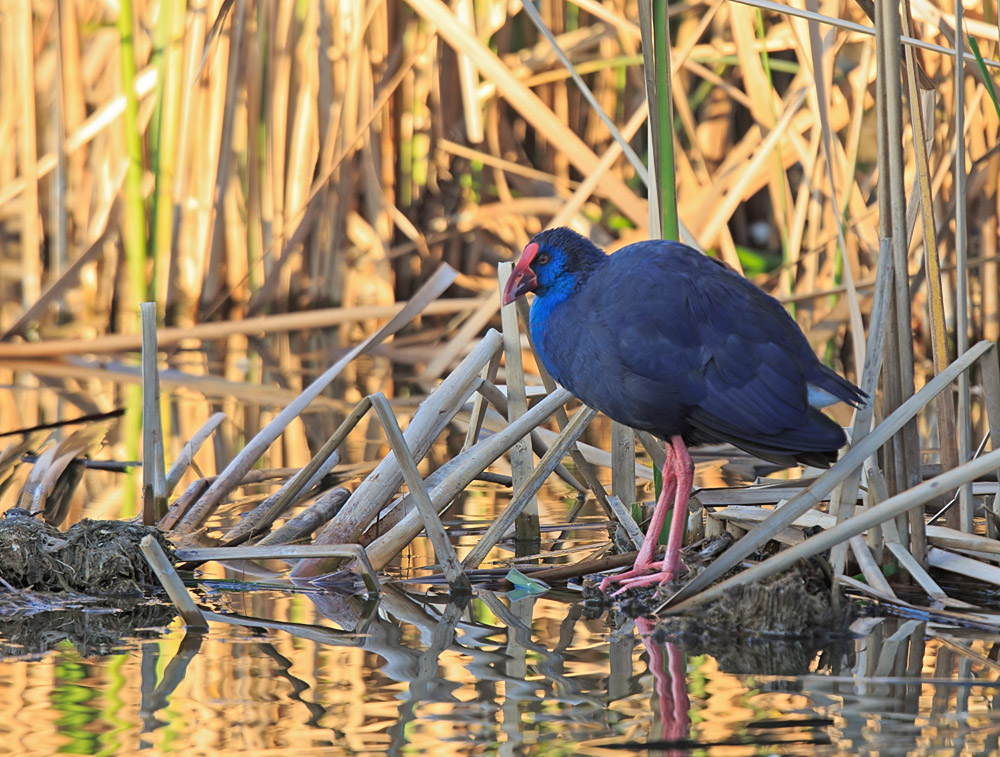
(322, 673)
(417, 675)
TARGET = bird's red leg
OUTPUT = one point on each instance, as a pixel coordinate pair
(644, 563)
(684, 475)
(679, 472)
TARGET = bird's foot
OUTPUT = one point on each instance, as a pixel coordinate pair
(645, 574)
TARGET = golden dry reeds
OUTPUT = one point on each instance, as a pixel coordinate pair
(277, 176)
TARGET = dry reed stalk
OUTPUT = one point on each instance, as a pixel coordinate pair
(498, 399)
(172, 584)
(847, 493)
(235, 471)
(964, 420)
(310, 519)
(154, 481)
(466, 467)
(939, 337)
(444, 552)
(190, 449)
(861, 522)
(489, 373)
(285, 552)
(263, 516)
(430, 420)
(521, 461)
(911, 565)
(525, 493)
(624, 517)
(940, 536)
(218, 330)
(813, 494)
(208, 386)
(896, 386)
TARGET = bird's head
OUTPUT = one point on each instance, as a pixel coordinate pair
(555, 261)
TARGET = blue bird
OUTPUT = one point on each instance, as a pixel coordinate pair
(664, 339)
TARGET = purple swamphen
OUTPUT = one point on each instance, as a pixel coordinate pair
(664, 339)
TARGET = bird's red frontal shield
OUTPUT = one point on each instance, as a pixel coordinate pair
(522, 279)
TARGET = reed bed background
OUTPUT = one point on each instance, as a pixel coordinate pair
(311, 165)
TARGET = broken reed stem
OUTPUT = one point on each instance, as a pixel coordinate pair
(312, 517)
(172, 584)
(154, 482)
(881, 306)
(470, 464)
(444, 552)
(813, 495)
(947, 438)
(243, 462)
(912, 499)
(285, 552)
(622, 464)
(190, 449)
(526, 492)
(430, 419)
(521, 460)
(261, 518)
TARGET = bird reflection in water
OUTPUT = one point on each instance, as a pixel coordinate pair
(671, 687)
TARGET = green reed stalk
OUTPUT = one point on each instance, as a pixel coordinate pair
(135, 212)
(166, 120)
(664, 168)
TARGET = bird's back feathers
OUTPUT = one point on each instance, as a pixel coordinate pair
(662, 338)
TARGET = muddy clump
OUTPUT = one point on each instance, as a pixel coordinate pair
(795, 605)
(774, 627)
(96, 557)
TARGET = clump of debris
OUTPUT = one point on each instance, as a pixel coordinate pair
(95, 557)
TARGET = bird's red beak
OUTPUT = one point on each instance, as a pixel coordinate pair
(522, 279)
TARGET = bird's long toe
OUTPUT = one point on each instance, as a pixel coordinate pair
(639, 576)
(636, 571)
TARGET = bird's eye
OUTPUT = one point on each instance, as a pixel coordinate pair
(542, 258)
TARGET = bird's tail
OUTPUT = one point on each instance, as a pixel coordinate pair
(815, 443)
(831, 383)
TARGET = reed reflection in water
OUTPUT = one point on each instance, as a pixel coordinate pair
(415, 673)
